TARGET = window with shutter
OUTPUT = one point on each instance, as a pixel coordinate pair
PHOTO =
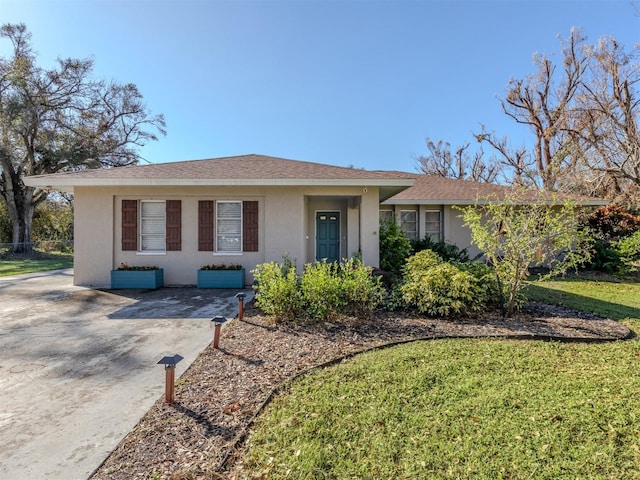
(129, 225)
(152, 226)
(174, 225)
(228, 226)
(205, 225)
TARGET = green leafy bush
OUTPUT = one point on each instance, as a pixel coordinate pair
(325, 290)
(362, 290)
(394, 247)
(277, 292)
(321, 290)
(441, 288)
(610, 226)
(628, 250)
(445, 250)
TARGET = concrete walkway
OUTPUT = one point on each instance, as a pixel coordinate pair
(78, 366)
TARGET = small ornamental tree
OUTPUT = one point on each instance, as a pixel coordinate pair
(394, 247)
(525, 230)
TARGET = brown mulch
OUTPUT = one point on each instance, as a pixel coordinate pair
(219, 395)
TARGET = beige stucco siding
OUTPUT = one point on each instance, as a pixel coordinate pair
(455, 232)
(93, 236)
(286, 226)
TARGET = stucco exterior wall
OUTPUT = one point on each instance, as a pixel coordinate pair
(93, 237)
(286, 226)
(456, 232)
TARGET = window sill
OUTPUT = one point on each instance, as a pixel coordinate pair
(227, 254)
(151, 253)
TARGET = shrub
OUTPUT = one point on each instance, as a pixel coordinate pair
(604, 256)
(610, 227)
(628, 250)
(126, 266)
(441, 288)
(277, 291)
(523, 230)
(362, 290)
(325, 290)
(445, 250)
(613, 222)
(394, 247)
(321, 290)
(221, 266)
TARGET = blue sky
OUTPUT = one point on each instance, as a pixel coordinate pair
(352, 83)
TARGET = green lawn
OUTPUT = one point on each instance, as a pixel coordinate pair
(468, 408)
(602, 294)
(16, 266)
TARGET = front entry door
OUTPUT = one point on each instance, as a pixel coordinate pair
(328, 236)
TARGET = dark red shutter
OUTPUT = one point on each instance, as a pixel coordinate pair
(250, 226)
(129, 225)
(205, 225)
(174, 225)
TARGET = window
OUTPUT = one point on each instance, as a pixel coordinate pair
(152, 226)
(432, 225)
(228, 226)
(386, 216)
(409, 223)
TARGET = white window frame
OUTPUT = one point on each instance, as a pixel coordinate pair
(386, 211)
(220, 237)
(410, 234)
(435, 235)
(147, 234)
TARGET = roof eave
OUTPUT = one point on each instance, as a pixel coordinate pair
(67, 184)
(584, 203)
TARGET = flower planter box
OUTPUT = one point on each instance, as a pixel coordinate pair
(221, 278)
(147, 279)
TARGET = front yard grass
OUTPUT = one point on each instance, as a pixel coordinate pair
(16, 265)
(604, 295)
(468, 408)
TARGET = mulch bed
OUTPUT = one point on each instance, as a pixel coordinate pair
(200, 436)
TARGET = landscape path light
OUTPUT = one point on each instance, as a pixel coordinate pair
(169, 363)
(217, 322)
(240, 296)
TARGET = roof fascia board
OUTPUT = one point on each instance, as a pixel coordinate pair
(583, 203)
(55, 183)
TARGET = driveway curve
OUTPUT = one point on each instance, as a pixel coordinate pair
(78, 367)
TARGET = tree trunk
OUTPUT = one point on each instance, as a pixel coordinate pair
(21, 206)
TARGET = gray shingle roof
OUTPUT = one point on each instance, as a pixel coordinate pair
(436, 190)
(242, 167)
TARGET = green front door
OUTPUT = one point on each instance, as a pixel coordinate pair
(328, 236)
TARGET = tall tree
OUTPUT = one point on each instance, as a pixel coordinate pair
(460, 164)
(544, 103)
(61, 119)
(610, 104)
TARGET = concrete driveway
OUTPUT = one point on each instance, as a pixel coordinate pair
(78, 366)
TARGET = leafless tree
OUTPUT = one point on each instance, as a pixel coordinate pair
(460, 163)
(609, 104)
(544, 102)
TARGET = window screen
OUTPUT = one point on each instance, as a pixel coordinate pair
(228, 226)
(152, 226)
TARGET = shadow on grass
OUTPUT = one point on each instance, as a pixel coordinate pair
(613, 311)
